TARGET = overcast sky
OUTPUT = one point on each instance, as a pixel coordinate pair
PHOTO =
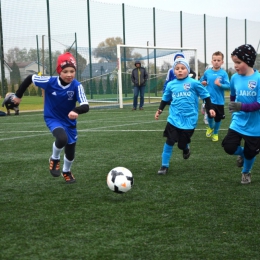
(236, 9)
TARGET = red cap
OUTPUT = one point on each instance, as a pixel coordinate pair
(65, 60)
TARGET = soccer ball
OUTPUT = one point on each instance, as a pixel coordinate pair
(120, 180)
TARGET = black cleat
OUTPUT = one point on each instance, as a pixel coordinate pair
(186, 154)
(54, 167)
(163, 170)
(68, 176)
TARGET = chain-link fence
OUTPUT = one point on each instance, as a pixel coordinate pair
(35, 32)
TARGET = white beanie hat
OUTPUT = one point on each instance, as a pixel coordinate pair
(181, 61)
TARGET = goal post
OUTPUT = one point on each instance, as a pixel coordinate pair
(156, 60)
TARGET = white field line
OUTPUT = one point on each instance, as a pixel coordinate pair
(87, 130)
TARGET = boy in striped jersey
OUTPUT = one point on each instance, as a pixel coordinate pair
(60, 111)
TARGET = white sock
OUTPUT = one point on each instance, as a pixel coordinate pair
(55, 152)
(66, 164)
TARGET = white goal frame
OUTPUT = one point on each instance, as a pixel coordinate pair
(119, 46)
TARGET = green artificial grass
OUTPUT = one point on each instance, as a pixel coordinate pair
(199, 210)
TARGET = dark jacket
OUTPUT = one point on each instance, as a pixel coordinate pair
(139, 76)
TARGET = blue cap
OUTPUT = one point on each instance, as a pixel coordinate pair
(178, 54)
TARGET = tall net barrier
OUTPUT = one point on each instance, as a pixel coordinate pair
(156, 60)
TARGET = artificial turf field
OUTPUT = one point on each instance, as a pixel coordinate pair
(199, 210)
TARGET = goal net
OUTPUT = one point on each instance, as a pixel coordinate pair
(156, 60)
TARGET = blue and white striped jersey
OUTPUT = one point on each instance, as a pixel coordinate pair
(60, 100)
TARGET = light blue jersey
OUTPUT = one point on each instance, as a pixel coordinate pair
(247, 90)
(60, 100)
(184, 93)
(217, 94)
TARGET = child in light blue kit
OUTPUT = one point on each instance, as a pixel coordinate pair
(216, 80)
(183, 111)
(245, 109)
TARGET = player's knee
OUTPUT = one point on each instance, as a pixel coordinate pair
(182, 146)
(170, 142)
(229, 149)
(62, 140)
(61, 137)
(249, 155)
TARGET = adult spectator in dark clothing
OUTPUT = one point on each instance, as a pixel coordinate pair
(139, 77)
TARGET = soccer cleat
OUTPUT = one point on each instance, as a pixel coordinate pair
(209, 132)
(141, 108)
(17, 113)
(186, 153)
(163, 170)
(133, 108)
(54, 167)
(246, 178)
(240, 161)
(214, 137)
(68, 176)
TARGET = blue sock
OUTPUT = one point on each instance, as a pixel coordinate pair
(166, 155)
(211, 122)
(248, 164)
(216, 127)
(240, 151)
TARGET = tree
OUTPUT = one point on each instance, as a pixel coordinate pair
(129, 84)
(94, 87)
(22, 55)
(100, 87)
(201, 66)
(32, 55)
(12, 89)
(166, 66)
(108, 89)
(15, 75)
(114, 85)
(33, 91)
(39, 92)
(107, 50)
(87, 90)
(16, 54)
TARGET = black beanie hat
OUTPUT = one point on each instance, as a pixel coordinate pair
(246, 53)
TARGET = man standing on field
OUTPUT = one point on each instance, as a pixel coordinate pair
(139, 77)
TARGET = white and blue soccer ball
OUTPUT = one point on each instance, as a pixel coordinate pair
(120, 180)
